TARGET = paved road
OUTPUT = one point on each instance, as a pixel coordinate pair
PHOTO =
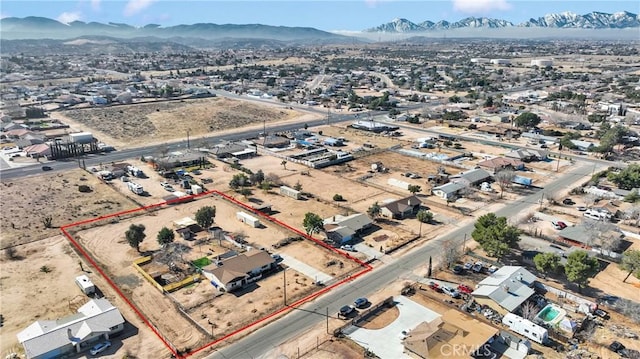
(261, 342)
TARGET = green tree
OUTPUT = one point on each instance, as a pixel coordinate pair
(527, 120)
(312, 223)
(632, 197)
(205, 216)
(338, 197)
(414, 188)
(628, 178)
(284, 164)
(547, 262)
(631, 263)
(423, 216)
(166, 236)
(494, 235)
(610, 138)
(238, 180)
(135, 235)
(257, 178)
(488, 102)
(297, 186)
(580, 267)
(374, 211)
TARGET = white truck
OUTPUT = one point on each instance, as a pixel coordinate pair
(135, 188)
(526, 328)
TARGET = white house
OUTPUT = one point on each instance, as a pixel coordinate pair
(506, 289)
(95, 321)
(235, 272)
(449, 190)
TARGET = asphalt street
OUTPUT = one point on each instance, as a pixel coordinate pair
(260, 343)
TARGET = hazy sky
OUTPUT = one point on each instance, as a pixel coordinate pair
(324, 15)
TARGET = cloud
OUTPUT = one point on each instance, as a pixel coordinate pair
(3, 15)
(67, 17)
(135, 6)
(95, 5)
(480, 6)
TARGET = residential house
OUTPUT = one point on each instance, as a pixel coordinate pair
(498, 164)
(401, 208)
(449, 190)
(39, 150)
(585, 145)
(341, 229)
(500, 131)
(472, 177)
(506, 289)
(236, 272)
(95, 321)
(452, 335)
(180, 159)
(528, 155)
(582, 236)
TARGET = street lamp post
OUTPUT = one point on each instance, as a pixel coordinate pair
(211, 324)
(188, 144)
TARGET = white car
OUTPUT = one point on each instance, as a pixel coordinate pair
(453, 293)
(99, 348)
(348, 247)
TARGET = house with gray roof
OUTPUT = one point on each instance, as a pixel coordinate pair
(341, 229)
(401, 208)
(236, 272)
(95, 321)
(472, 177)
(528, 154)
(449, 190)
(506, 289)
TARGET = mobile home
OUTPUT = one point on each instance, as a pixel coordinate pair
(290, 192)
(248, 219)
(84, 283)
(135, 188)
(526, 328)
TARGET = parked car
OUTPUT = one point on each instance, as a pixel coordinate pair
(568, 202)
(451, 292)
(492, 269)
(348, 247)
(581, 208)
(477, 267)
(278, 258)
(47, 168)
(468, 266)
(601, 313)
(463, 288)
(346, 310)
(361, 302)
(99, 348)
(617, 347)
(458, 269)
(559, 225)
(403, 335)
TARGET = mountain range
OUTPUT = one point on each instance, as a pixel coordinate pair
(564, 20)
(12, 28)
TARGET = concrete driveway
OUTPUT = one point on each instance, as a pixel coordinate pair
(386, 342)
(305, 269)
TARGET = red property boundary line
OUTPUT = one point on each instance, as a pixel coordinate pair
(367, 267)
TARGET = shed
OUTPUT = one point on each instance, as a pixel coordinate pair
(248, 219)
(290, 192)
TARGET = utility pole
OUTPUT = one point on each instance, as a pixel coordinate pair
(541, 201)
(464, 243)
(558, 165)
(327, 316)
(188, 144)
(284, 278)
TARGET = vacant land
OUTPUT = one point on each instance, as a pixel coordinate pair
(167, 120)
(28, 201)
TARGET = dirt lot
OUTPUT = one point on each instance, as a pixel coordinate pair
(28, 293)
(167, 120)
(26, 202)
(116, 256)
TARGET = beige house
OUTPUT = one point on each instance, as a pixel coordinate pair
(452, 335)
(236, 272)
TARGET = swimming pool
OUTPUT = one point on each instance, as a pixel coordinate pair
(551, 314)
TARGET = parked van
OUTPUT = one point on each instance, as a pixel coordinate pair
(526, 328)
(596, 215)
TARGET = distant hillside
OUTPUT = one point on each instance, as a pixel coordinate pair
(565, 20)
(39, 27)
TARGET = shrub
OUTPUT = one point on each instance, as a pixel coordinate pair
(84, 188)
(338, 197)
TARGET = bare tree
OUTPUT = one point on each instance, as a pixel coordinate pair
(601, 233)
(590, 199)
(633, 215)
(529, 310)
(504, 179)
(451, 252)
